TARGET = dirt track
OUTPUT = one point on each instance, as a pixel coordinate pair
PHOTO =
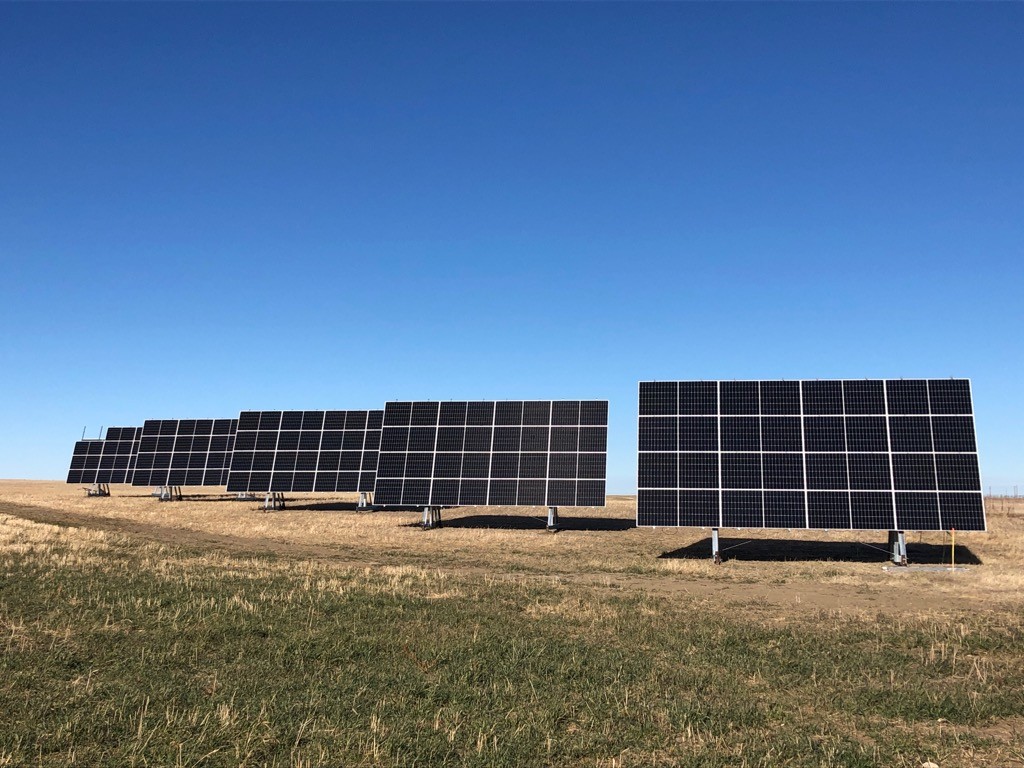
(178, 537)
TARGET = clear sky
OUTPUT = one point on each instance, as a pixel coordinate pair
(210, 208)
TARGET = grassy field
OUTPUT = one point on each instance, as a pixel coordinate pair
(118, 649)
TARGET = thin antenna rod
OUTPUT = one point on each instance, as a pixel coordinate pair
(83, 433)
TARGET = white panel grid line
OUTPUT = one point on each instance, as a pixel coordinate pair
(718, 429)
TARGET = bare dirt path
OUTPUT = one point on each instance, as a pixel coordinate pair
(178, 537)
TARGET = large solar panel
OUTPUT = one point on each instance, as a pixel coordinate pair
(290, 451)
(860, 454)
(110, 460)
(525, 453)
(175, 452)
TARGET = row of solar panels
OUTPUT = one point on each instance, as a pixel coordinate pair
(858, 454)
(546, 453)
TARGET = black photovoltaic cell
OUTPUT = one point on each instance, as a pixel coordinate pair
(111, 460)
(185, 452)
(299, 451)
(499, 453)
(863, 454)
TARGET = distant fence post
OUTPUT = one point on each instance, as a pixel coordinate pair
(1004, 491)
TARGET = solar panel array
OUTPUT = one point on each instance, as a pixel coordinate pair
(185, 452)
(110, 460)
(526, 453)
(861, 454)
(326, 451)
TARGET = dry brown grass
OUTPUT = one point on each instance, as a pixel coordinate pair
(598, 548)
(369, 641)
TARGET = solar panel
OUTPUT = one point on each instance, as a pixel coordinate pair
(110, 460)
(865, 454)
(175, 452)
(85, 461)
(290, 451)
(515, 453)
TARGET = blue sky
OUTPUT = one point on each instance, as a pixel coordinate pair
(205, 208)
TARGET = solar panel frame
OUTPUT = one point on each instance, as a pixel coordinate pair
(305, 451)
(871, 454)
(185, 452)
(108, 460)
(493, 453)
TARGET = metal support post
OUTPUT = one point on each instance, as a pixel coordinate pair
(98, 489)
(716, 555)
(274, 500)
(898, 547)
(553, 519)
(170, 493)
(363, 503)
(431, 518)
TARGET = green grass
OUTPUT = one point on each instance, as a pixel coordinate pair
(118, 653)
